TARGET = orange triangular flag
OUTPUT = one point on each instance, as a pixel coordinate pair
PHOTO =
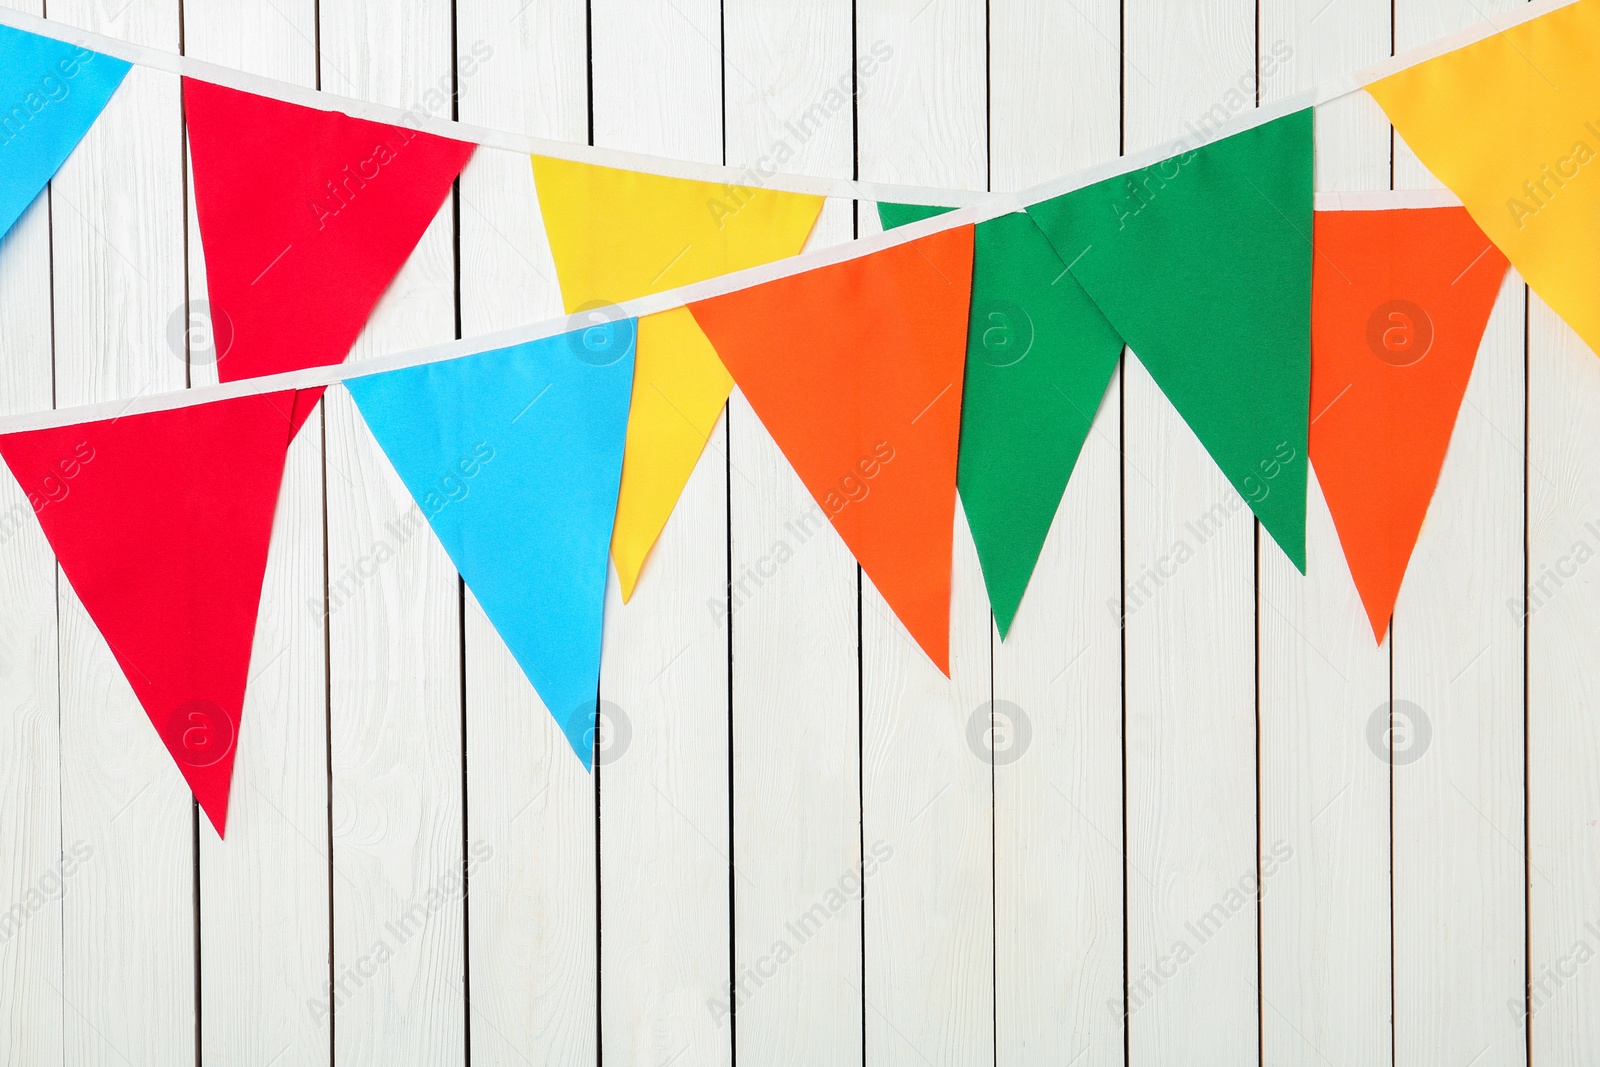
(1400, 299)
(856, 371)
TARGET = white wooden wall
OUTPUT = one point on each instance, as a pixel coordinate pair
(1175, 839)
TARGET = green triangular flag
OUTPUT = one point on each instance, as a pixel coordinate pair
(1039, 356)
(1203, 264)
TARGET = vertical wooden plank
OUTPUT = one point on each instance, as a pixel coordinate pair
(796, 721)
(927, 792)
(128, 949)
(1563, 608)
(1189, 638)
(37, 868)
(264, 921)
(1460, 933)
(665, 845)
(394, 634)
(1325, 922)
(530, 806)
(1055, 107)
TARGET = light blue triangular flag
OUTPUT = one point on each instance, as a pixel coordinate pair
(50, 94)
(515, 458)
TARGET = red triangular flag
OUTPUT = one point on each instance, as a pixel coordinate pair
(305, 216)
(1400, 299)
(161, 522)
(856, 371)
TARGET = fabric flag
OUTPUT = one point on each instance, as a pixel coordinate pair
(50, 94)
(1512, 125)
(161, 522)
(1039, 358)
(856, 371)
(1203, 264)
(514, 457)
(679, 387)
(618, 234)
(305, 217)
(1400, 300)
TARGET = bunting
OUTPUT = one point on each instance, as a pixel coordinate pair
(618, 234)
(514, 457)
(305, 217)
(856, 370)
(1512, 125)
(1039, 358)
(1400, 300)
(161, 523)
(1202, 263)
(50, 94)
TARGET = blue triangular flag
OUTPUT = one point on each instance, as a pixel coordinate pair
(50, 94)
(515, 458)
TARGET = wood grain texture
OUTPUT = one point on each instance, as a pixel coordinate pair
(1460, 836)
(665, 840)
(1563, 603)
(1055, 106)
(394, 635)
(1325, 989)
(532, 908)
(264, 915)
(128, 951)
(927, 792)
(34, 871)
(792, 604)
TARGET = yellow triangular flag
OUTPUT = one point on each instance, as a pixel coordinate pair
(618, 234)
(1512, 125)
(679, 387)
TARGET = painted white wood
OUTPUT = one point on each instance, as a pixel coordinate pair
(264, 920)
(1459, 892)
(665, 841)
(927, 793)
(34, 871)
(1563, 603)
(394, 636)
(128, 952)
(796, 720)
(1325, 990)
(532, 951)
(1190, 728)
(1055, 106)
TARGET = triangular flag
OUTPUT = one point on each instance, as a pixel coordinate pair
(161, 522)
(679, 387)
(856, 371)
(306, 216)
(1512, 125)
(514, 457)
(1203, 264)
(1400, 300)
(53, 91)
(1039, 358)
(619, 234)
